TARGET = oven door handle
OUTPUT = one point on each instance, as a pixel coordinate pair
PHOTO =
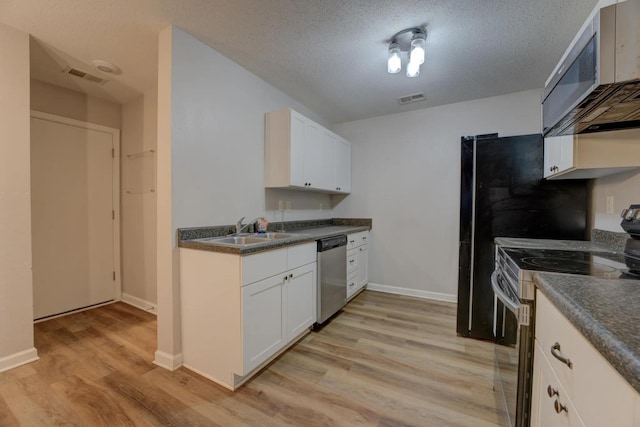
(512, 306)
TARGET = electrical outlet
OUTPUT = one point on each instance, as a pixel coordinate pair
(321, 206)
(288, 205)
(610, 204)
(281, 205)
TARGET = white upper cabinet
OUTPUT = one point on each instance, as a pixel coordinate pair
(591, 155)
(558, 155)
(343, 166)
(301, 154)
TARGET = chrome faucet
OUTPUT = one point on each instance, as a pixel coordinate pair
(240, 227)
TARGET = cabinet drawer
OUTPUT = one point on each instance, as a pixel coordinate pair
(352, 261)
(262, 265)
(599, 393)
(357, 239)
(543, 406)
(352, 284)
(301, 255)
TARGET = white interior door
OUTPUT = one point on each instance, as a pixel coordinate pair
(73, 212)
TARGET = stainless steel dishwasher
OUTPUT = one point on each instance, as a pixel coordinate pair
(332, 276)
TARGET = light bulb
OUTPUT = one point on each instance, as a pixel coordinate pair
(394, 64)
(417, 49)
(413, 69)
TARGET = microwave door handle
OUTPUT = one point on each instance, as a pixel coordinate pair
(512, 306)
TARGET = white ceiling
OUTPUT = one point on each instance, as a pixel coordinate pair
(328, 54)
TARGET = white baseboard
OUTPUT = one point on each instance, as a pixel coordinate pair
(139, 303)
(18, 359)
(412, 292)
(168, 361)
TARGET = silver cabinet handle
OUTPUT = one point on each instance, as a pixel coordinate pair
(555, 352)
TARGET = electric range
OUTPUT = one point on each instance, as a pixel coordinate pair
(514, 304)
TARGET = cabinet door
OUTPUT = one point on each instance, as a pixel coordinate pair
(566, 152)
(263, 332)
(352, 283)
(343, 165)
(551, 155)
(544, 408)
(591, 381)
(558, 154)
(301, 299)
(315, 157)
(296, 150)
(363, 265)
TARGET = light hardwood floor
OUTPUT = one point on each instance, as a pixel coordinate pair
(386, 360)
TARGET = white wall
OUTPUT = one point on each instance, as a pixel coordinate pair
(218, 113)
(406, 177)
(139, 134)
(625, 190)
(74, 105)
(211, 122)
(16, 289)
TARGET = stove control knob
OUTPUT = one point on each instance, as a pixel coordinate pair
(623, 214)
(629, 216)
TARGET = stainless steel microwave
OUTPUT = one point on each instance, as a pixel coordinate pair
(596, 87)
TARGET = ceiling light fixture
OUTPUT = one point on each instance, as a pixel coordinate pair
(105, 66)
(413, 45)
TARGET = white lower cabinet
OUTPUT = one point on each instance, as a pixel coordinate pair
(238, 313)
(550, 405)
(357, 262)
(569, 370)
(263, 331)
(301, 301)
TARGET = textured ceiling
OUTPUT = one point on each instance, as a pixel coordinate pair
(328, 54)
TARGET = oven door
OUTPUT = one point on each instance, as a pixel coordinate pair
(513, 359)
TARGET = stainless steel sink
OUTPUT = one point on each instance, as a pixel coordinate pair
(274, 235)
(245, 239)
(234, 240)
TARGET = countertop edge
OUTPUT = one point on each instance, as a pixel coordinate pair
(619, 356)
(269, 244)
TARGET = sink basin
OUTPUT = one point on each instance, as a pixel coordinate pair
(246, 239)
(274, 235)
(234, 240)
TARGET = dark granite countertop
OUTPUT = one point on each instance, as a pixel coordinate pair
(605, 312)
(304, 231)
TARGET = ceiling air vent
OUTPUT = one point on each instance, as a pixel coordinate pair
(85, 76)
(408, 99)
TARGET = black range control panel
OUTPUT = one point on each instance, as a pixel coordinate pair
(631, 220)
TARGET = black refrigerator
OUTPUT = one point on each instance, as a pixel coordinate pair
(503, 194)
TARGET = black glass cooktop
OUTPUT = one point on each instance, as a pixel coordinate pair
(597, 264)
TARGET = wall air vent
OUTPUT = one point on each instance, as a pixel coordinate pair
(84, 75)
(408, 99)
